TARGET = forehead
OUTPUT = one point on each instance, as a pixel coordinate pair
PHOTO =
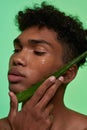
(41, 34)
(36, 32)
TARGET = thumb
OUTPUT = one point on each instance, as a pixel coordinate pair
(13, 106)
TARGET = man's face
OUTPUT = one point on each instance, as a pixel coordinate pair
(37, 54)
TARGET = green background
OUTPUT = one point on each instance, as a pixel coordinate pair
(76, 93)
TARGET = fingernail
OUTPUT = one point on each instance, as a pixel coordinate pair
(52, 78)
(61, 78)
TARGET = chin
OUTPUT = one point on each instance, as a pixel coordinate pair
(15, 88)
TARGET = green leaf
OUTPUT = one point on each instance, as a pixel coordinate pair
(25, 95)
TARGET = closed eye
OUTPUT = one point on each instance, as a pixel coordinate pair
(39, 53)
(16, 50)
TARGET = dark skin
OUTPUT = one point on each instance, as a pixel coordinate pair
(38, 53)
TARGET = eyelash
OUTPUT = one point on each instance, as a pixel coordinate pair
(16, 50)
(36, 52)
(39, 53)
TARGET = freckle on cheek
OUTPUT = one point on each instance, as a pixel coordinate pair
(43, 61)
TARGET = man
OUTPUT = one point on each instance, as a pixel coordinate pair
(49, 39)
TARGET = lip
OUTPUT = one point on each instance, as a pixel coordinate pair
(14, 75)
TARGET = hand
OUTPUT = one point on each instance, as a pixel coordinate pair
(36, 113)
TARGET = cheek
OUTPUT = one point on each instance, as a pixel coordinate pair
(39, 70)
(50, 65)
(46, 66)
(43, 62)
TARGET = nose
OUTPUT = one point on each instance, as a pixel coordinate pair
(19, 59)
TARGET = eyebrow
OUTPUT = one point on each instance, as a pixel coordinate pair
(39, 41)
(17, 41)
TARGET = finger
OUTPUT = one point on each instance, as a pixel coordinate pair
(50, 93)
(49, 123)
(48, 111)
(41, 90)
(13, 105)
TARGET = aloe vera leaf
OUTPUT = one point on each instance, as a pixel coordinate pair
(26, 94)
(23, 96)
(70, 64)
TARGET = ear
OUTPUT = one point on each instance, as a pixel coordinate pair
(70, 74)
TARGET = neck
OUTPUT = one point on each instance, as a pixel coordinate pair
(59, 110)
(58, 100)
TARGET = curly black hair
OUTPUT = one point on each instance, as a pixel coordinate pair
(69, 29)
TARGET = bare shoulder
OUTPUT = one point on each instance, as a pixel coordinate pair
(4, 125)
(70, 120)
(78, 120)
